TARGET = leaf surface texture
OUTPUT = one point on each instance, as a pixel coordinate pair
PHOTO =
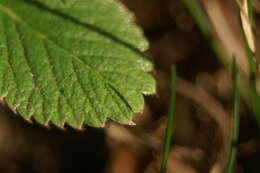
(77, 62)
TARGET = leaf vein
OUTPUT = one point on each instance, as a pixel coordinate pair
(25, 55)
(83, 89)
(51, 65)
(8, 61)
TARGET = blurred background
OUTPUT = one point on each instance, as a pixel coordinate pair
(202, 121)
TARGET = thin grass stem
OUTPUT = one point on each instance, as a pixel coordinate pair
(234, 120)
(170, 121)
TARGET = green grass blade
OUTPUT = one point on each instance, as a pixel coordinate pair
(251, 11)
(235, 121)
(170, 121)
(199, 16)
(249, 52)
(253, 98)
(202, 22)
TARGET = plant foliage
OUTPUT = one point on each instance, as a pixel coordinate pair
(73, 61)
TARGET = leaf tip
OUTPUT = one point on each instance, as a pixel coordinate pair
(47, 125)
(61, 126)
(14, 109)
(80, 128)
(28, 119)
(131, 123)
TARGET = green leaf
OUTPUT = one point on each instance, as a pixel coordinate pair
(75, 62)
